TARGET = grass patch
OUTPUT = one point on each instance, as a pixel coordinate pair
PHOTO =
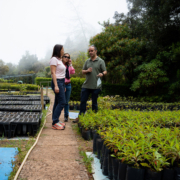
(86, 160)
(76, 128)
(23, 147)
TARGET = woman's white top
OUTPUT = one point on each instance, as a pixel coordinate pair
(60, 67)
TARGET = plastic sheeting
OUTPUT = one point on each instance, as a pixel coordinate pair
(96, 166)
(7, 155)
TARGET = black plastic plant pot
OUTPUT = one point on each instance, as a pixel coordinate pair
(110, 166)
(134, 174)
(78, 107)
(71, 107)
(152, 175)
(168, 174)
(79, 124)
(99, 143)
(95, 136)
(1, 130)
(177, 173)
(80, 128)
(86, 134)
(122, 171)
(115, 166)
(102, 155)
(105, 161)
(93, 131)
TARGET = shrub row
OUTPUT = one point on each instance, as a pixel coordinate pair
(107, 89)
(43, 81)
(18, 87)
(123, 103)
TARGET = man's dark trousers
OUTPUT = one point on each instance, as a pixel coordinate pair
(84, 97)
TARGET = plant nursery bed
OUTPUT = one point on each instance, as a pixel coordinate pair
(135, 145)
(19, 123)
(23, 98)
(26, 108)
(21, 103)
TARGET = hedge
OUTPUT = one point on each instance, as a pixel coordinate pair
(18, 87)
(43, 81)
(76, 84)
(107, 89)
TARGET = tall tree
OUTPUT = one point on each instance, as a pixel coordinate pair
(3, 68)
(27, 62)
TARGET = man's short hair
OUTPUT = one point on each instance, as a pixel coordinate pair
(93, 47)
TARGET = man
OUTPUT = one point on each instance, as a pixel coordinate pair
(95, 69)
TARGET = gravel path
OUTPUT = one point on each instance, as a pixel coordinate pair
(56, 156)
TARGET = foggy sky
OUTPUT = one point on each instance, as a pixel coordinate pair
(37, 25)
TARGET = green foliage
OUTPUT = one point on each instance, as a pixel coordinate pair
(18, 87)
(140, 139)
(3, 80)
(121, 52)
(142, 48)
(3, 68)
(76, 84)
(116, 89)
(78, 64)
(150, 75)
(44, 81)
(48, 72)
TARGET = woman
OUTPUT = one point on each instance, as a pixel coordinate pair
(69, 70)
(58, 78)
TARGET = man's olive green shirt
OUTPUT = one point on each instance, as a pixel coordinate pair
(98, 66)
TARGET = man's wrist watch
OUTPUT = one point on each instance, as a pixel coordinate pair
(103, 73)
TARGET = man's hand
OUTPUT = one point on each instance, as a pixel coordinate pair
(100, 75)
(89, 69)
(56, 89)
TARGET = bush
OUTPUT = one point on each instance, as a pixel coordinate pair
(43, 81)
(116, 89)
(76, 84)
(107, 89)
(18, 87)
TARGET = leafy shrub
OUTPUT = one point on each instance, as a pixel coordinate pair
(43, 81)
(76, 84)
(18, 87)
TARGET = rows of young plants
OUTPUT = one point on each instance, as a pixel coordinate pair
(124, 103)
(139, 139)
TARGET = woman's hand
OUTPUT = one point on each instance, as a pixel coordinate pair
(56, 89)
(70, 62)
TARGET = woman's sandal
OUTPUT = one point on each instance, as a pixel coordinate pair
(58, 126)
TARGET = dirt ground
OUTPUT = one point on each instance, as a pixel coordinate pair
(56, 155)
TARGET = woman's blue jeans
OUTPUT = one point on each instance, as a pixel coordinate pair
(59, 101)
(67, 96)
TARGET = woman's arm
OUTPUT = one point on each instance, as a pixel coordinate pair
(53, 73)
(71, 70)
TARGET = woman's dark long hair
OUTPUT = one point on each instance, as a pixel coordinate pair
(69, 56)
(56, 51)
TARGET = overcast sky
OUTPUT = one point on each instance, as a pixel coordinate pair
(37, 25)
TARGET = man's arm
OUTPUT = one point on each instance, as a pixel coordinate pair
(87, 71)
(102, 74)
(103, 69)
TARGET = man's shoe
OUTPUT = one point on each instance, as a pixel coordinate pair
(76, 120)
(65, 119)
